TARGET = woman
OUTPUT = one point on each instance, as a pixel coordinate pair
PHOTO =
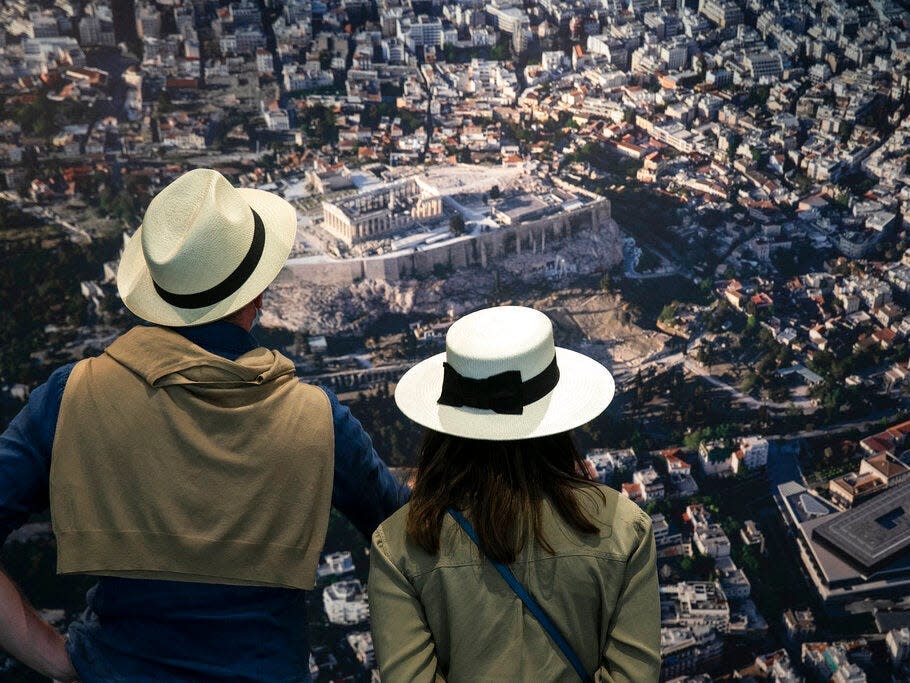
(498, 405)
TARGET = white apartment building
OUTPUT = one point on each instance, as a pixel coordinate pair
(603, 464)
(508, 19)
(714, 459)
(675, 53)
(425, 31)
(361, 643)
(345, 603)
(652, 486)
(244, 13)
(148, 21)
(277, 119)
(299, 78)
(764, 64)
(751, 454)
(94, 31)
(724, 13)
(711, 540)
(248, 40)
(828, 661)
(686, 649)
(732, 579)
(898, 643)
(42, 25)
(264, 63)
(697, 603)
(337, 564)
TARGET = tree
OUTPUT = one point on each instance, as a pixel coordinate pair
(165, 106)
(705, 355)
(456, 224)
(749, 382)
(668, 312)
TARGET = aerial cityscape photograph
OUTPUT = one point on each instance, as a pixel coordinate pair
(709, 197)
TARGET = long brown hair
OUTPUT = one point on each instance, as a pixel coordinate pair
(501, 485)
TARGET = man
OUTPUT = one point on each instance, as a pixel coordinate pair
(186, 467)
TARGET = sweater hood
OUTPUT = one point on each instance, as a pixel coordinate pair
(164, 358)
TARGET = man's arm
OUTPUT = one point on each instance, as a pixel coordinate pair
(25, 461)
(364, 490)
(27, 637)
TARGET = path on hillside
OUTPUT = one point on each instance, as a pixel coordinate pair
(696, 368)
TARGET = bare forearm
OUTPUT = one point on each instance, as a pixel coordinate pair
(30, 639)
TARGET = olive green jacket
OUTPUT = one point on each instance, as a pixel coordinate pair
(451, 616)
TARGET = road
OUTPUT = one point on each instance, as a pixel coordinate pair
(696, 368)
(76, 233)
(862, 425)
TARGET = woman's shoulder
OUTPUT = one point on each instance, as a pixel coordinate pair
(607, 505)
(392, 527)
(621, 522)
(392, 540)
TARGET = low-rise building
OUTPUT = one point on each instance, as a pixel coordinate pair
(361, 643)
(687, 649)
(335, 564)
(714, 457)
(603, 464)
(711, 540)
(732, 579)
(772, 666)
(669, 544)
(876, 473)
(897, 641)
(695, 603)
(751, 535)
(752, 454)
(345, 603)
(829, 662)
(652, 485)
(799, 624)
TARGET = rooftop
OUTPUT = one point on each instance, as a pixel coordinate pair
(888, 465)
(873, 533)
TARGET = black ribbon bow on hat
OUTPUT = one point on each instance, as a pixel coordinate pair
(503, 393)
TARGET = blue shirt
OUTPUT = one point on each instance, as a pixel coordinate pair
(152, 630)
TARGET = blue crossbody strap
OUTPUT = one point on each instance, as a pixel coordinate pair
(529, 602)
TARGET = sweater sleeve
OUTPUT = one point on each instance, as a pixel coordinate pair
(364, 490)
(401, 636)
(25, 454)
(632, 654)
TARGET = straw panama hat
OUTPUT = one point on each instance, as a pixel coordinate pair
(486, 351)
(204, 250)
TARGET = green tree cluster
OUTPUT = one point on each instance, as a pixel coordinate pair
(721, 432)
(40, 287)
(320, 124)
(44, 116)
(668, 312)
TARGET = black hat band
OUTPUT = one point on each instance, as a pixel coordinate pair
(230, 284)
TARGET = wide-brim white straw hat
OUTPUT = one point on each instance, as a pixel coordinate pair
(204, 250)
(479, 402)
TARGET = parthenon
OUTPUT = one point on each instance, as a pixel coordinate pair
(387, 209)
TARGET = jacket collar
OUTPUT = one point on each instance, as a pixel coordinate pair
(220, 337)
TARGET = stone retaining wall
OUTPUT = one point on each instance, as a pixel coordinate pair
(482, 249)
